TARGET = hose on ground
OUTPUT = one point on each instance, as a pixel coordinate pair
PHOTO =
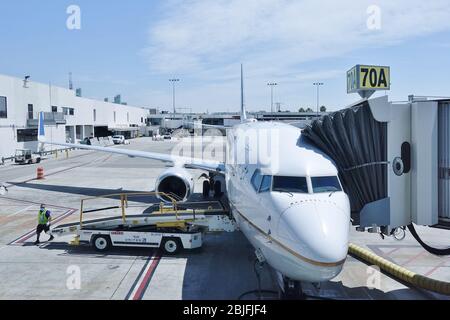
(401, 273)
(435, 251)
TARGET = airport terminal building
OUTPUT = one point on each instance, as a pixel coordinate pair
(68, 116)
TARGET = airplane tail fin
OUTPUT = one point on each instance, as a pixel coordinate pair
(243, 110)
(41, 128)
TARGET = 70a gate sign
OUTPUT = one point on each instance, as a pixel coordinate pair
(368, 78)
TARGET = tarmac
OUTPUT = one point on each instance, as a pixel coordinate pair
(222, 269)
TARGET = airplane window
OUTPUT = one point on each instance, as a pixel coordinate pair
(290, 184)
(325, 184)
(256, 180)
(266, 184)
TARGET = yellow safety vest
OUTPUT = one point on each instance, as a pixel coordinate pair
(42, 217)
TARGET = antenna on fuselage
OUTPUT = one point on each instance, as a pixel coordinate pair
(243, 111)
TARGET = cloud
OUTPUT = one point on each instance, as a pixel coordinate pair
(205, 38)
(292, 42)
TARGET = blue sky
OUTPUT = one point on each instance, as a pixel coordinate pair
(134, 47)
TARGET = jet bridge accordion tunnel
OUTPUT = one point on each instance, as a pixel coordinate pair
(393, 161)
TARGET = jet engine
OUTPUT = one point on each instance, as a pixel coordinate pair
(176, 183)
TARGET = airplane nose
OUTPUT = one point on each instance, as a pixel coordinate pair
(317, 228)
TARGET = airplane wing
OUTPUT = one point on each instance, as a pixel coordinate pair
(187, 162)
(210, 126)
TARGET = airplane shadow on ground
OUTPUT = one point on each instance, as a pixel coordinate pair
(339, 291)
(207, 273)
(219, 256)
(86, 251)
(210, 272)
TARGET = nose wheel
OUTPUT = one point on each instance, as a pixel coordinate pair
(289, 289)
(259, 293)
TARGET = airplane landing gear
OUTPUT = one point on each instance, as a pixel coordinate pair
(289, 289)
(292, 290)
(212, 184)
(206, 189)
(217, 189)
(260, 293)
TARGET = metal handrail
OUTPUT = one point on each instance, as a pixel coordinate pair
(124, 202)
(176, 197)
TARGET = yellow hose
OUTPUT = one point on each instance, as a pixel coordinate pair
(406, 275)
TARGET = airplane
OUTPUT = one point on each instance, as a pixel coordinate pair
(290, 204)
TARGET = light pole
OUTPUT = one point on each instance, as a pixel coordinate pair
(318, 84)
(271, 85)
(173, 92)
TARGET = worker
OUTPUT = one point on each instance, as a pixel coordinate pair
(44, 220)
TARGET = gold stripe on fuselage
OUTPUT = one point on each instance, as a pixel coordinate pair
(283, 246)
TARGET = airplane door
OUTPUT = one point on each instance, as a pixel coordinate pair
(267, 218)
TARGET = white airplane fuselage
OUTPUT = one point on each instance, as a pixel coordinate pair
(303, 235)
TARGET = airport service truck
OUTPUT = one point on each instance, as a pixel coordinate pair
(172, 228)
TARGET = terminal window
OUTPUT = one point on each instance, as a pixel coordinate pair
(27, 135)
(68, 111)
(30, 112)
(3, 108)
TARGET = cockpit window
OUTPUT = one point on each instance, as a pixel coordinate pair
(325, 184)
(256, 180)
(266, 184)
(290, 184)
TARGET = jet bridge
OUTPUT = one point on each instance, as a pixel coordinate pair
(393, 160)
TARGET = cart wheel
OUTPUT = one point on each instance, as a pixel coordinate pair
(206, 188)
(399, 234)
(38, 160)
(101, 243)
(171, 246)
